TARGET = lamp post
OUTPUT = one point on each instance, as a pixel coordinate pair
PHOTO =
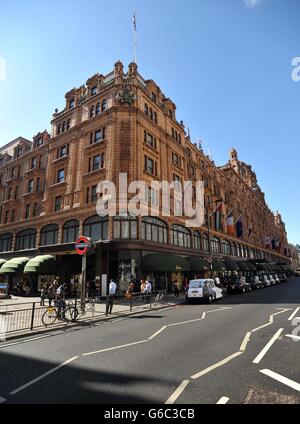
(208, 231)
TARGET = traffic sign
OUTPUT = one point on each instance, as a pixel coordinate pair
(209, 259)
(83, 245)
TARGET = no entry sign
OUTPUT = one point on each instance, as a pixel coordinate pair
(83, 245)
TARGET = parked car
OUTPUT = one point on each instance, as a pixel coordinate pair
(239, 285)
(283, 278)
(266, 281)
(203, 289)
(255, 282)
(276, 278)
(272, 281)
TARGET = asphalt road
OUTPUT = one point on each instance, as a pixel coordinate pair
(236, 350)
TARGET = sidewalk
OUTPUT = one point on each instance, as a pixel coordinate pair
(18, 317)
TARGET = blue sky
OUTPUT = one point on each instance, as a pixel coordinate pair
(225, 63)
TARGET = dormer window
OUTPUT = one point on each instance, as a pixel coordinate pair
(18, 152)
(72, 104)
(39, 141)
(94, 91)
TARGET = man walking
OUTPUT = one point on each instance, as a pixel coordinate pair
(148, 290)
(112, 289)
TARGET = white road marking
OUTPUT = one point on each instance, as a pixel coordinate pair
(271, 320)
(267, 347)
(217, 365)
(114, 348)
(293, 337)
(25, 341)
(220, 309)
(203, 315)
(30, 383)
(282, 379)
(185, 322)
(172, 399)
(293, 314)
(245, 342)
(158, 332)
(2, 399)
(223, 400)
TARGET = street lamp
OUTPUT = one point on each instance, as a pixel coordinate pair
(208, 230)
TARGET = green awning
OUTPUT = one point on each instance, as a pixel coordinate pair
(162, 262)
(243, 265)
(218, 265)
(251, 267)
(231, 265)
(2, 262)
(14, 266)
(261, 267)
(198, 264)
(275, 267)
(44, 264)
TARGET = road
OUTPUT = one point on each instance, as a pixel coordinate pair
(237, 350)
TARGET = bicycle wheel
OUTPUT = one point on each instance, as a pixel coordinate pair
(71, 314)
(49, 316)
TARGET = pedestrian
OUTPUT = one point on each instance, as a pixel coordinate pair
(142, 288)
(43, 296)
(130, 294)
(112, 290)
(51, 293)
(176, 288)
(148, 290)
(61, 292)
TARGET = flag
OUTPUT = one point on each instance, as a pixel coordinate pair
(134, 22)
(229, 223)
(239, 227)
(218, 212)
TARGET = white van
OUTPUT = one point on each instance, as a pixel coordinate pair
(203, 289)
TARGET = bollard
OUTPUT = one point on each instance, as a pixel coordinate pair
(32, 316)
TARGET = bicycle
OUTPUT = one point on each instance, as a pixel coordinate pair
(60, 311)
(158, 299)
(87, 306)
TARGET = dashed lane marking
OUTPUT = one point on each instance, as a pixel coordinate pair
(217, 365)
(223, 400)
(30, 383)
(294, 314)
(114, 348)
(158, 332)
(172, 399)
(268, 346)
(284, 380)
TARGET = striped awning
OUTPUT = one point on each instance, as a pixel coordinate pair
(14, 266)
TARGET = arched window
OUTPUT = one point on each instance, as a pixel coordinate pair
(26, 239)
(92, 112)
(197, 240)
(98, 108)
(242, 251)
(104, 105)
(49, 235)
(125, 227)
(96, 228)
(68, 123)
(247, 254)
(151, 113)
(146, 110)
(154, 229)
(215, 245)
(70, 231)
(64, 126)
(6, 242)
(205, 242)
(58, 129)
(234, 250)
(226, 247)
(180, 236)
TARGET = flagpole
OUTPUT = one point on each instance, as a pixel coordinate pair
(134, 38)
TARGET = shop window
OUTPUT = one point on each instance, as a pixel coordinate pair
(154, 229)
(26, 239)
(215, 245)
(125, 227)
(197, 240)
(180, 236)
(70, 231)
(96, 228)
(6, 242)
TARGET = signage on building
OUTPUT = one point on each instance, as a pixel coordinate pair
(209, 259)
(83, 245)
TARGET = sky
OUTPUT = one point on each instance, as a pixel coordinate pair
(227, 65)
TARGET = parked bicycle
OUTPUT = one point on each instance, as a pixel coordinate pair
(61, 311)
(159, 298)
(87, 306)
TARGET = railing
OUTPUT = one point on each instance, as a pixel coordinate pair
(21, 317)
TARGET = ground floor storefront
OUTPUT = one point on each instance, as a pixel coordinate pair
(124, 262)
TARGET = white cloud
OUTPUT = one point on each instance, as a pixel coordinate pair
(251, 4)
